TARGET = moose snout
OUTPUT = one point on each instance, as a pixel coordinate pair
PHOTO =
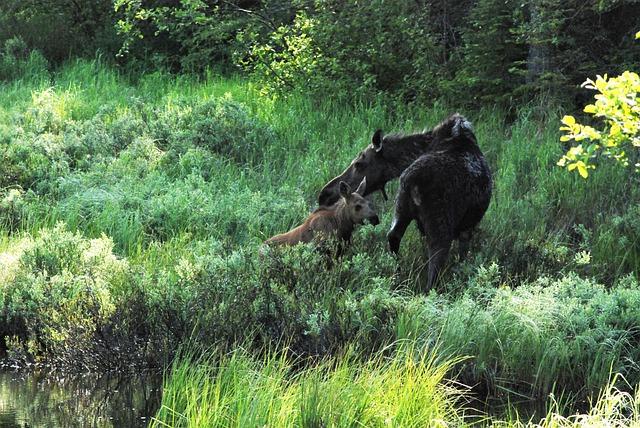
(374, 220)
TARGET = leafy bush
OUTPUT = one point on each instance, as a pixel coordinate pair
(569, 332)
(294, 295)
(56, 292)
(12, 204)
(191, 35)
(17, 61)
(48, 143)
(617, 104)
(346, 48)
(224, 126)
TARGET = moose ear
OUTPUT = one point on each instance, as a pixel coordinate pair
(377, 140)
(345, 190)
(362, 187)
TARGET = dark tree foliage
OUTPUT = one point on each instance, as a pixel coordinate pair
(195, 35)
(492, 57)
(61, 29)
(469, 52)
(595, 37)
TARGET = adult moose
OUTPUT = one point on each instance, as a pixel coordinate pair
(445, 185)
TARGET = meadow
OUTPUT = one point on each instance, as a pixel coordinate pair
(133, 208)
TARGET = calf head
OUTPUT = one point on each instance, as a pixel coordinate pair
(371, 164)
(357, 209)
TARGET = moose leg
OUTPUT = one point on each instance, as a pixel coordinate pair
(401, 220)
(439, 240)
(438, 253)
(463, 244)
(398, 227)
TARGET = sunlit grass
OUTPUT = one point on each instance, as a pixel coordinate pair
(405, 390)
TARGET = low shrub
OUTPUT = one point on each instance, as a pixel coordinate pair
(568, 333)
(57, 292)
(218, 125)
(295, 295)
(17, 61)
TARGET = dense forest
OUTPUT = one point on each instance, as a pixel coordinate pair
(149, 148)
(468, 52)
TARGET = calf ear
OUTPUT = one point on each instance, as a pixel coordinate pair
(377, 140)
(362, 187)
(345, 190)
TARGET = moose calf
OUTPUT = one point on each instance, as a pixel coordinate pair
(338, 219)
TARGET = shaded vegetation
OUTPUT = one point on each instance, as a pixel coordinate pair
(470, 52)
(132, 225)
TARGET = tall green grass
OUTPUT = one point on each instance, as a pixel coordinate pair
(406, 390)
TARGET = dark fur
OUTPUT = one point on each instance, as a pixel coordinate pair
(445, 185)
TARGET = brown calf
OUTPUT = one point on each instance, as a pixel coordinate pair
(338, 219)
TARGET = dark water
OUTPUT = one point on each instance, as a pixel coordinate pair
(39, 400)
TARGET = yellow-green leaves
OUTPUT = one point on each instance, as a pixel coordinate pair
(638, 35)
(617, 103)
(568, 120)
(576, 131)
(581, 167)
(574, 160)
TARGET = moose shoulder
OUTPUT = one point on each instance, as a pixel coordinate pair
(445, 184)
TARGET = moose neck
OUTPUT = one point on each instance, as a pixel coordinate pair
(343, 222)
(402, 150)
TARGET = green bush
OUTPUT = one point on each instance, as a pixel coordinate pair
(569, 333)
(56, 291)
(191, 35)
(17, 61)
(293, 295)
(348, 48)
(218, 125)
(12, 202)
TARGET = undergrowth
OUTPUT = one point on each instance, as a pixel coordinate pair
(133, 210)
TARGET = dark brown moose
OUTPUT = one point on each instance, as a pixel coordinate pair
(339, 219)
(445, 185)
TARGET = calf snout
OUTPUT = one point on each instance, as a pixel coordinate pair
(374, 220)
